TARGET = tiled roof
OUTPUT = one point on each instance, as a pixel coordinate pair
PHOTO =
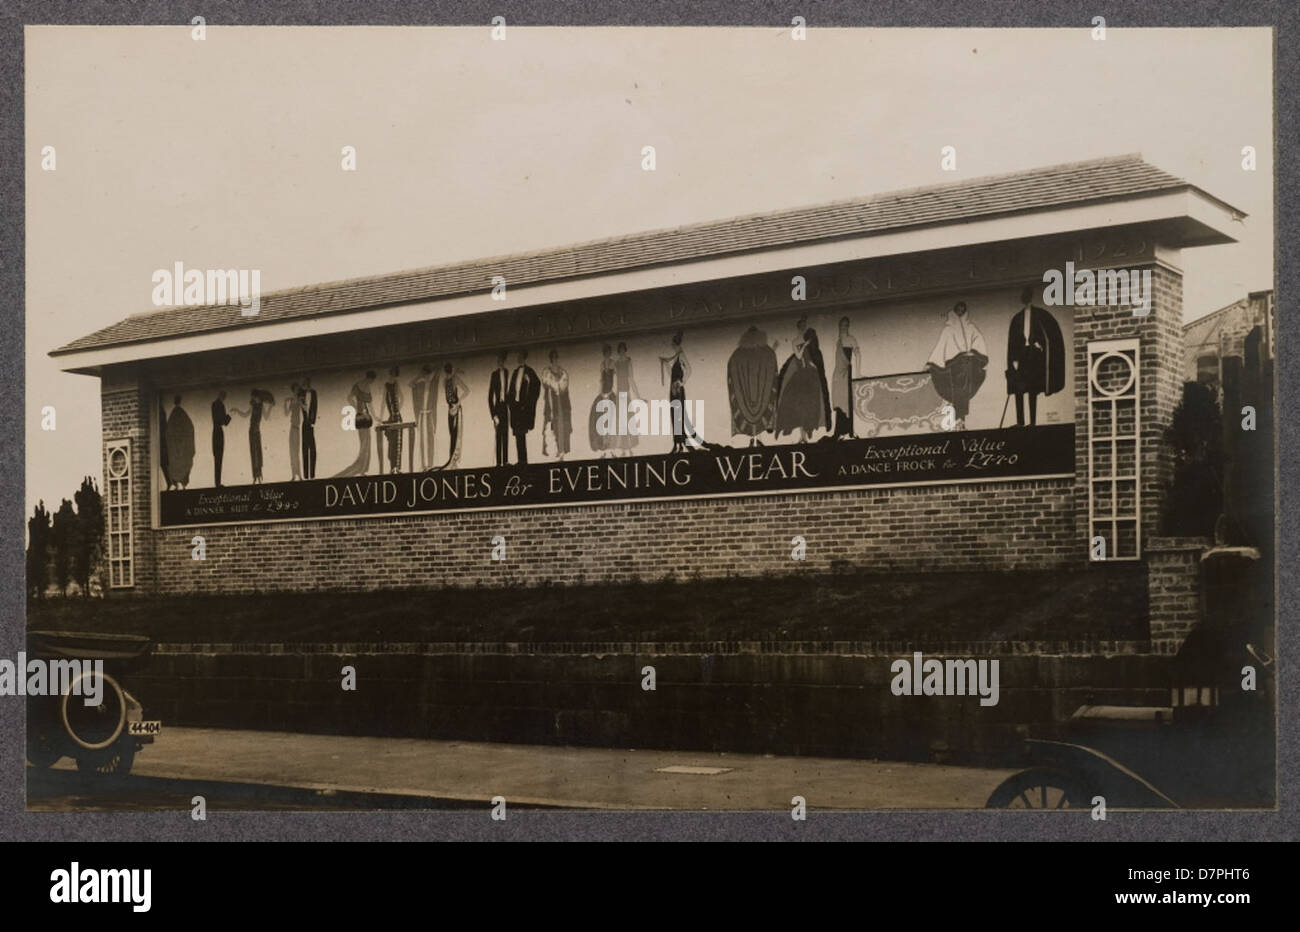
(1018, 192)
(1204, 331)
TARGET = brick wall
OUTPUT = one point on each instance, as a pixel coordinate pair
(1160, 386)
(1173, 589)
(998, 526)
(1008, 525)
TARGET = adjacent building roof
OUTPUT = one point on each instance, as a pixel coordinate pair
(1222, 331)
(1205, 331)
(1058, 186)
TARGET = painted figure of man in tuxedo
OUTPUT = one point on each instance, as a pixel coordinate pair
(499, 408)
(1035, 357)
(308, 429)
(219, 421)
(525, 388)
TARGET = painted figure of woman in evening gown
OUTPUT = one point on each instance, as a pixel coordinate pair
(601, 442)
(626, 392)
(956, 365)
(455, 391)
(678, 368)
(259, 401)
(803, 403)
(847, 358)
(393, 402)
(364, 419)
(424, 399)
(293, 408)
(557, 412)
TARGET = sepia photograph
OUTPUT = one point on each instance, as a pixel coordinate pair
(771, 419)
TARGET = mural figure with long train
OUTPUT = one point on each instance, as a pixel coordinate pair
(678, 368)
(803, 404)
(752, 385)
(362, 421)
(179, 444)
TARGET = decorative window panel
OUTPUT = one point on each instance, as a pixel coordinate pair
(117, 498)
(1114, 466)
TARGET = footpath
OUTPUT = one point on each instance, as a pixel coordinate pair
(566, 777)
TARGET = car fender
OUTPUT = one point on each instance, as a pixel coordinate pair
(1101, 774)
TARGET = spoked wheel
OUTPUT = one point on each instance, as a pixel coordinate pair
(94, 727)
(115, 762)
(1039, 788)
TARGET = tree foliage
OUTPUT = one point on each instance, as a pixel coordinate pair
(64, 535)
(1194, 498)
(67, 546)
(38, 550)
(90, 544)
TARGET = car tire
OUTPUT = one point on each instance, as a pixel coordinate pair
(42, 753)
(111, 764)
(1040, 788)
(99, 727)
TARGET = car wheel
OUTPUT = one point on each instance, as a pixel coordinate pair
(1039, 788)
(42, 753)
(94, 727)
(113, 763)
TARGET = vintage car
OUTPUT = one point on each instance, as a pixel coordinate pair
(1213, 745)
(103, 737)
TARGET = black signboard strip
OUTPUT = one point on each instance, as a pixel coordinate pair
(963, 456)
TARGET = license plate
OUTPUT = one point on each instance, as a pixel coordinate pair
(144, 728)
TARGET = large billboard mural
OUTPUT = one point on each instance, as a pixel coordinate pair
(934, 390)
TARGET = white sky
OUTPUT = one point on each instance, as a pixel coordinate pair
(226, 153)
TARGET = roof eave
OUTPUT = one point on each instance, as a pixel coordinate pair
(1185, 216)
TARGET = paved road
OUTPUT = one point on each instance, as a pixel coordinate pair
(65, 790)
(263, 769)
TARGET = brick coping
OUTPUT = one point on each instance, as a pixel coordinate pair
(1168, 544)
(776, 648)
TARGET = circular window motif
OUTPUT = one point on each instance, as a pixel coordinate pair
(117, 463)
(1113, 374)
